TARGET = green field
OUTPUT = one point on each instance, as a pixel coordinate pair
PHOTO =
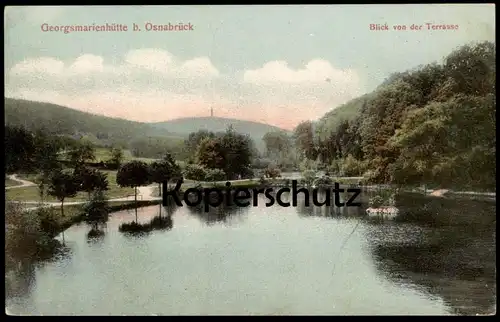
(103, 154)
(32, 193)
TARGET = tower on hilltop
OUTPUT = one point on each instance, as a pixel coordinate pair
(211, 112)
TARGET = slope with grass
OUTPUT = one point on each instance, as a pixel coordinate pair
(32, 193)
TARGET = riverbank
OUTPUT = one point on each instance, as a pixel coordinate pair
(74, 214)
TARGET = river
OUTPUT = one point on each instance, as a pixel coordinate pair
(265, 261)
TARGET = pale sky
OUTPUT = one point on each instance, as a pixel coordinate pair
(274, 64)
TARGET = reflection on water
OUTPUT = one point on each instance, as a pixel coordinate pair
(455, 261)
(270, 260)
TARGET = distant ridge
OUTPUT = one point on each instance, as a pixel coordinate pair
(184, 126)
(59, 119)
(215, 124)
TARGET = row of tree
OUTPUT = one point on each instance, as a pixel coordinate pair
(39, 152)
(63, 184)
(435, 125)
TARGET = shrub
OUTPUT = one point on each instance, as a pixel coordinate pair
(214, 175)
(376, 202)
(308, 176)
(323, 181)
(272, 172)
(48, 221)
(195, 172)
(247, 173)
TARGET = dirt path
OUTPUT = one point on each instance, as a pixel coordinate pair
(23, 184)
(439, 193)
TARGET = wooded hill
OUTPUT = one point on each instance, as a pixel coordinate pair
(56, 119)
(102, 130)
(434, 124)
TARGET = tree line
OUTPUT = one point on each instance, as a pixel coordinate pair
(431, 125)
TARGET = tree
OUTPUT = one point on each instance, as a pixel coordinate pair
(97, 209)
(237, 149)
(89, 180)
(82, 153)
(433, 124)
(133, 174)
(45, 153)
(164, 170)
(19, 149)
(277, 144)
(116, 158)
(304, 140)
(62, 185)
(211, 154)
(194, 140)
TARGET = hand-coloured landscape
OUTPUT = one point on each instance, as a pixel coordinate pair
(103, 105)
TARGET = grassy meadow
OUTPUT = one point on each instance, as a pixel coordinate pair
(32, 193)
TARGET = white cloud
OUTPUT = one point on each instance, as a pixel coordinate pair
(198, 67)
(147, 60)
(87, 64)
(154, 60)
(153, 85)
(317, 71)
(39, 66)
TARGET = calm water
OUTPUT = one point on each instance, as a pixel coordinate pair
(276, 260)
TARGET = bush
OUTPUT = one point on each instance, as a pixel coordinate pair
(309, 176)
(214, 175)
(376, 202)
(247, 173)
(24, 236)
(323, 181)
(272, 172)
(48, 221)
(195, 172)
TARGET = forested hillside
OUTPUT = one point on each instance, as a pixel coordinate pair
(332, 120)
(143, 139)
(435, 125)
(57, 119)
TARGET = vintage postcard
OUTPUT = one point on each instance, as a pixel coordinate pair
(250, 160)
